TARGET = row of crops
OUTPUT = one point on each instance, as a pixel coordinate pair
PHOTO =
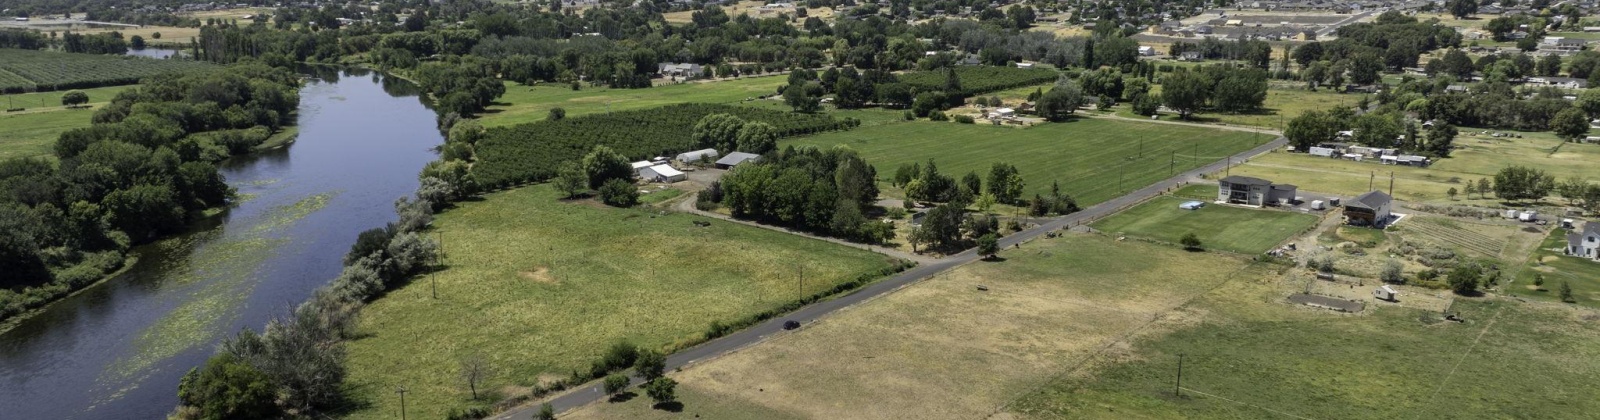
(980, 79)
(29, 70)
(535, 151)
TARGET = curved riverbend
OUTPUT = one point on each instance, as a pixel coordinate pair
(118, 349)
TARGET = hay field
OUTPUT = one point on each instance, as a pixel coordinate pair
(33, 132)
(523, 103)
(941, 349)
(1094, 159)
(540, 287)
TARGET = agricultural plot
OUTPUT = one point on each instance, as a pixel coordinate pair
(58, 71)
(523, 103)
(980, 79)
(541, 287)
(1481, 240)
(33, 132)
(940, 349)
(11, 82)
(535, 151)
(1226, 228)
(1092, 159)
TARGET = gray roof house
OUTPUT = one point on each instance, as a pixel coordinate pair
(1585, 243)
(735, 158)
(1253, 191)
(1370, 209)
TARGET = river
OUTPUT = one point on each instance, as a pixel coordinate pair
(118, 349)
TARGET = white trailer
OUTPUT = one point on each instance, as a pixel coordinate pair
(1317, 205)
(1385, 293)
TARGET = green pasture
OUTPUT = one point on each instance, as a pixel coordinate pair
(33, 132)
(523, 103)
(541, 287)
(1226, 228)
(1092, 159)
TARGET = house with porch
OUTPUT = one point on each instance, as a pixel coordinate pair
(1251, 191)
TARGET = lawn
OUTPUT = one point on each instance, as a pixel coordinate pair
(1226, 228)
(941, 349)
(536, 312)
(1093, 159)
(523, 103)
(1555, 266)
(1477, 157)
(33, 132)
(1253, 357)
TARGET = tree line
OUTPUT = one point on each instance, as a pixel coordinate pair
(143, 170)
(782, 188)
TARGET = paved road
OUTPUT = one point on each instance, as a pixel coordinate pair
(592, 392)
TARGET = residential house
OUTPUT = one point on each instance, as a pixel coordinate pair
(1585, 243)
(679, 69)
(1370, 209)
(1253, 191)
(1146, 50)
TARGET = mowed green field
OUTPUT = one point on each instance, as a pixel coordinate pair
(33, 132)
(1253, 357)
(1549, 260)
(1234, 229)
(1093, 159)
(523, 103)
(541, 287)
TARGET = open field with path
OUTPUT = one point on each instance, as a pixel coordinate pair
(523, 103)
(1219, 227)
(941, 349)
(34, 131)
(1088, 156)
(542, 287)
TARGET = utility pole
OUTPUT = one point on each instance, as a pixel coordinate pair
(800, 285)
(1180, 385)
(1371, 177)
(402, 391)
(1172, 164)
(1141, 147)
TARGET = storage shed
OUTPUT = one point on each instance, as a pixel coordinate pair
(662, 173)
(697, 156)
(736, 158)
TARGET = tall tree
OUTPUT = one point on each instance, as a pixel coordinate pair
(1185, 92)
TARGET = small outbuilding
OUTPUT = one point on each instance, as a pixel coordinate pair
(662, 173)
(1385, 293)
(697, 156)
(735, 159)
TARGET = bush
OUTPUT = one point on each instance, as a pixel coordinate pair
(615, 383)
(938, 116)
(229, 388)
(619, 192)
(662, 390)
(964, 119)
(650, 364)
(1190, 241)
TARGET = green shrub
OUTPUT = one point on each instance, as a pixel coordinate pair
(619, 192)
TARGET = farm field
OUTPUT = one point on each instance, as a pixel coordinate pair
(1251, 356)
(538, 313)
(523, 103)
(940, 349)
(62, 71)
(1477, 157)
(1087, 156)
(1219, 227)
(1549, 261)
(33, 132)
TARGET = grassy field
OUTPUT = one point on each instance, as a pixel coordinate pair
(537, 312)
(1226, 228)
(1555, 266)
(1252, 357)
(1478, 157)
(1087, 156)
(33, 132)
(1283, 103)
(523, 103)
(942, 350)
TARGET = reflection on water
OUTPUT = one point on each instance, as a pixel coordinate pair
(117, 350)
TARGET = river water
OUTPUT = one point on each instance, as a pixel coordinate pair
(118, 349)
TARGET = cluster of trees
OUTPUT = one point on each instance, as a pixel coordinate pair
(823, 191)
(726, 133)
(1220, 87)
(20, 39)
(143, 169)
(602, 169)
(106, 43)
(1523, 183)
(296, 364)
(1257, 53)
(464, 87)
(1393, 40)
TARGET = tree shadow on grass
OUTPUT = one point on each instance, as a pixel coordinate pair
(993, 259)
(673, 406)
(623, 397)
